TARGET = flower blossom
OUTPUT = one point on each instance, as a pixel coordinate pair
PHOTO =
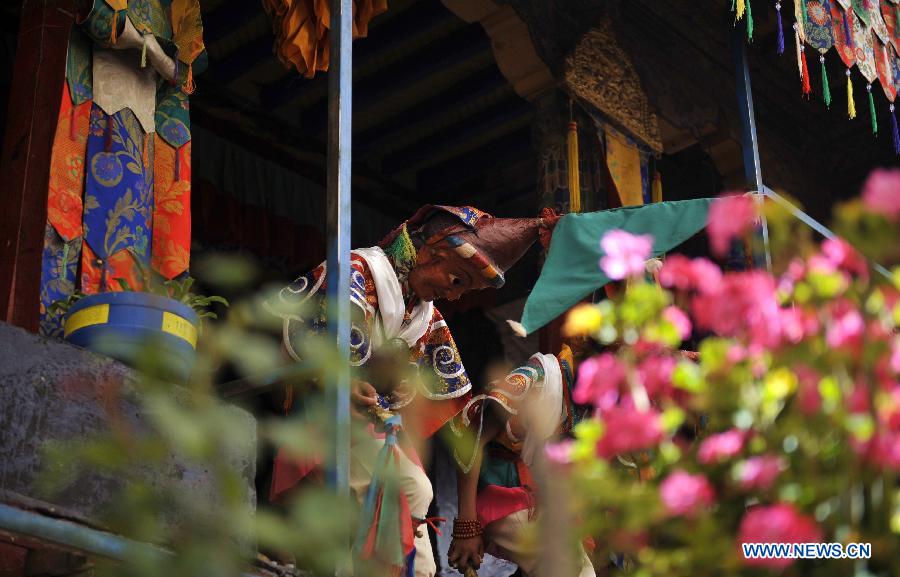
(720, 447)
(625, 253)
(780, 523)
(759, 473)
(627, 429)
(684, 494)
(559, 453)
(730, 217)
(685, 274)
(881, 193)
(676, 317)
(743, 305)
(599, 379)
(655, 374)
(846, 327)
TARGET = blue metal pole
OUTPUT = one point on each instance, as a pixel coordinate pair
(340, 99)
(73, 536)
(749, 141)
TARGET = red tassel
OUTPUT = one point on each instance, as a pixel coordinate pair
(72, 134)
(109, 129)
(807, 90)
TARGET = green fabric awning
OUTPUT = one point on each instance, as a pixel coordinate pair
(571, 271)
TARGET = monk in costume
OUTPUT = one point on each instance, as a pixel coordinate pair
(506, 425)
(439, 253)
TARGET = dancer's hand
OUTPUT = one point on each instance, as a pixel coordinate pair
(362, 396)
(465, 553)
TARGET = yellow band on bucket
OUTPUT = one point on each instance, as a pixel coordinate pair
(95, 315)
(180, 327)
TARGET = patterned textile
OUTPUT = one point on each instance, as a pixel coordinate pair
(865, 53)
(78, 67)
(884, 69)
(64, 198)
(891, 15)
(59, 268)
(187, 29)
(119, 197)
(302, 307)
(118, 205)
(171, 249)
(624, 161)
(841, 22)
(818, 28)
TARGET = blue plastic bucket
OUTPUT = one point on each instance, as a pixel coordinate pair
(143, 330)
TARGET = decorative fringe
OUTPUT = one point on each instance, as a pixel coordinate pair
(799, 48)
(72, 133)
(656, 191)
(107, 144)
(189, 82)
(851, 104)
(574, 177)
(894, 131)
(807, 89)
(872, 110)
(848, 33)
(144, 51)
(749, 22)
(780, 29)
(741, 8)
(826, 89)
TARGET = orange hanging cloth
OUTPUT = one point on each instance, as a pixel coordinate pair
(301, 30)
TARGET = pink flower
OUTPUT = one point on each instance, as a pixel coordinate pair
(559, 453)
(844, 257)
(759, 473)
(679, 320)
(625, 253)
(684, 494)
(684, 274)
(598, 381)
(779, 523)
(808, 397)
(720, 447)
(744, 305)
(627, 429)
(881, 193)
(846, 327)
(895, 356)
(655, 373)
(886, 450)
(730, 217)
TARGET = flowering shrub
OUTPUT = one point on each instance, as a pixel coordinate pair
(795, 397)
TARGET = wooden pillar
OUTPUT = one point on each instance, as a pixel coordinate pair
(38, 75)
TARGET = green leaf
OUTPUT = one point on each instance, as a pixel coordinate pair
(123, 284)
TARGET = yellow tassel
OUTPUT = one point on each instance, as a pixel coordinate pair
(189, 82)
(656, 188)
(115, 25)
(851, 105)
(741, 7)
(574, 177)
